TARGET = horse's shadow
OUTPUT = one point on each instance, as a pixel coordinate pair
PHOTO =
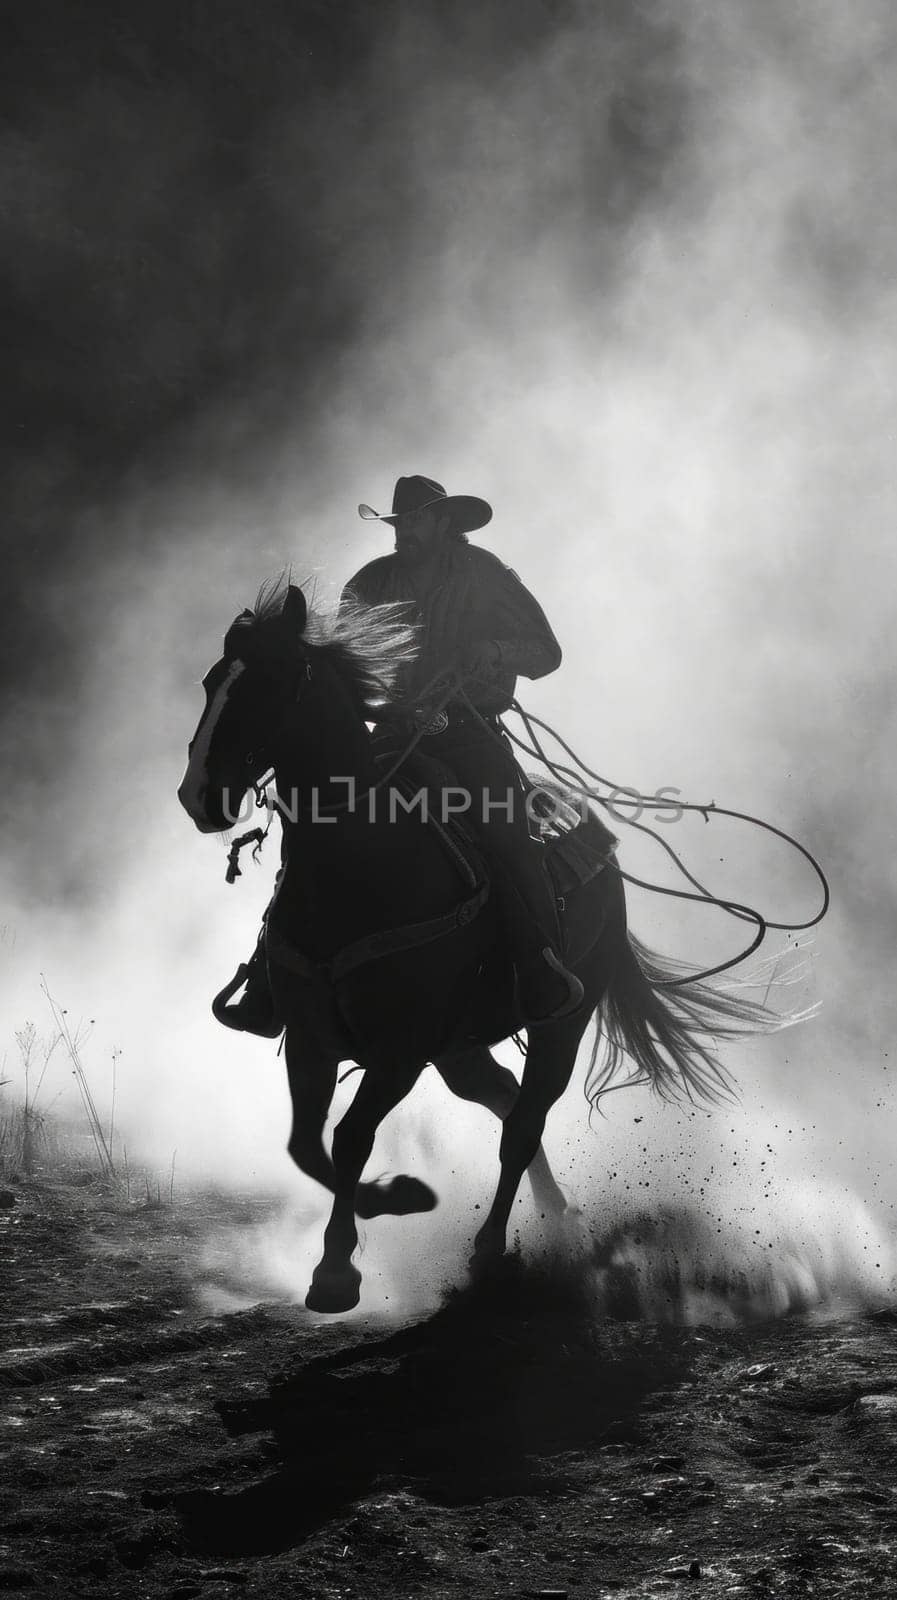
(491, 1397)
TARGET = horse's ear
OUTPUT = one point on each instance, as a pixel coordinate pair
(295, 610)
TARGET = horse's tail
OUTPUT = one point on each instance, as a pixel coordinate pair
(667, 1032)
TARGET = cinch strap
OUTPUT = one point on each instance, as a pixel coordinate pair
(375, 945)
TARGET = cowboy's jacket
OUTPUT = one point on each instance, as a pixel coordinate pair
(468, 599)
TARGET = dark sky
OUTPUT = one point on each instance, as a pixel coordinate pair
(206, 205)
(149, 271)
(201, 202)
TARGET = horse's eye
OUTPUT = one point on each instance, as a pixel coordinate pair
(250, 758)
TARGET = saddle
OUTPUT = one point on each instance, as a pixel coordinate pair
(577, 844)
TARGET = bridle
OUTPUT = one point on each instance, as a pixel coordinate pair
(260, 784)
(449, 684)
(265, 750)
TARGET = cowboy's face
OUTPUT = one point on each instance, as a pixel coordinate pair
(419, 532)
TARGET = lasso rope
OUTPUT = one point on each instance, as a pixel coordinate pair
(571, 777)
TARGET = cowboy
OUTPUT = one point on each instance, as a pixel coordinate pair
(476, 620)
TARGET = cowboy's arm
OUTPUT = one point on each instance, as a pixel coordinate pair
(527, 658)
(522, 643)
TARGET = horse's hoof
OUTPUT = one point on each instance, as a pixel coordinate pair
(484, 1263)
(333, 1291)
(402, 1197)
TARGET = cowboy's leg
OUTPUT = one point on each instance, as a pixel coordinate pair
(486, 770)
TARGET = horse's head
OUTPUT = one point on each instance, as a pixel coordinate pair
(250, 695)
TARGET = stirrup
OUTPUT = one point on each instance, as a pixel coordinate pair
(239, 1016)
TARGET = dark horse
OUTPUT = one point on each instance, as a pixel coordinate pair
(384, 946)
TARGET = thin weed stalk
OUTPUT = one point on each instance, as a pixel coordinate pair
(72, 1043)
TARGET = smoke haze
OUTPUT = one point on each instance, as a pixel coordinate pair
(627, 271)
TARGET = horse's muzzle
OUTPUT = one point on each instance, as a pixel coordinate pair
(193, 802)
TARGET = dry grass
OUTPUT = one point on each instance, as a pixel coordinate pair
(43, 1148)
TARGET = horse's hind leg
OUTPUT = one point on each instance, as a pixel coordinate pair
(549, 1064)
(475, 1075)
(336, 1283)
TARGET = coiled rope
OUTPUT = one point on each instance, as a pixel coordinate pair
(572, 778)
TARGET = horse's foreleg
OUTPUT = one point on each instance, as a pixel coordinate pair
(476, 1075)
(312, 1081)
(549, 1065)
(336, 1283)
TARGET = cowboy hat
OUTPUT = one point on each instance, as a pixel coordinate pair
(412, 494)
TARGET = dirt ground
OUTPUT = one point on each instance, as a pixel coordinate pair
(512, 1444)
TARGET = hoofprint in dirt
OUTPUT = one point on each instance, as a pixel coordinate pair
(514, 1443)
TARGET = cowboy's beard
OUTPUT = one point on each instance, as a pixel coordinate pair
(417, 549)
(411, 549)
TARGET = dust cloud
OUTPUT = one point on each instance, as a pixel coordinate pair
(628, 275)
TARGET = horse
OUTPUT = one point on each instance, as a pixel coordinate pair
(385, 947)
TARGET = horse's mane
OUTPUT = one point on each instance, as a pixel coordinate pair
(367, 645)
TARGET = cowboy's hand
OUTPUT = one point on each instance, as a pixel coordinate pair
(482, 659)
